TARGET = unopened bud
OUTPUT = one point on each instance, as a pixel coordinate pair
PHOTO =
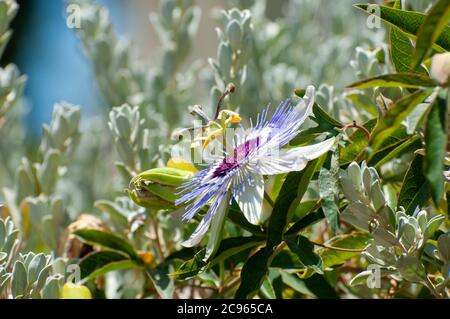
(440, 68)
(157, 188)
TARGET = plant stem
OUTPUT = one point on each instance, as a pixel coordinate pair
(359, 127)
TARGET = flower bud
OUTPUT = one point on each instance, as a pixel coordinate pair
(157, 188)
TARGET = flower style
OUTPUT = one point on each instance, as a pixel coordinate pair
(239, 173)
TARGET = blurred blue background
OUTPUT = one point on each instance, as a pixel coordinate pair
(45, 49)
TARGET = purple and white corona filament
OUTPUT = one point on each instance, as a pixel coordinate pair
(239, 173)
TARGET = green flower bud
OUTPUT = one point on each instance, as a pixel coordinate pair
(146, 199)
(157, 188)
(164, 176)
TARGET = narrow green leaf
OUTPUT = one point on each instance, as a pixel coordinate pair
(432, 26)
(306, 221)
(435, 142)
(253, 273)
(227, 248)
(296, 283)
(98, 260)
(267, 289)
(191, 268)
(304, 250)
(291, 194)
(409, 22)
(236, 217)
(320, 287)
(332, 257)
(363, 101)
(232, 246)
(112, 266)
(394, 117)
(401, 48)
(395, 80)
(396, 151)
(162, 281)
(107, 240)
(415, 189)
(256, 267)
(329, 189)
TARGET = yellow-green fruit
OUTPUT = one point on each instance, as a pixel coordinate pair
(73, 291)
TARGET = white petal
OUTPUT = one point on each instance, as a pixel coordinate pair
(250, 198)
(217, 207)
(292, 159)
(198, 234)
(304, 107)
(215, 234)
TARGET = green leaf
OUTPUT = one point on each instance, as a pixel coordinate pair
(395, 80)
(332, 257)
(112, 266)
(415, 188)
(256, 267)
(394, 117)
(253, 273)
(232, 246)
(267, 289)
(98, 260)
(292, 191)
(162, 281)
(320, 287)
(107, 240)
(287, 261)
(401, 50)
(114, 211)
(329, 189)
(409, 22)
(432, 26)
(19, 281)
(306, 221)
(236, 217)
(304, 250)
(227, 248)
(325, 123)
(396, 151)
(51, 289)
(435, 142)
(363, 101)
(357, 146)
(296, 283)
(191, 268)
